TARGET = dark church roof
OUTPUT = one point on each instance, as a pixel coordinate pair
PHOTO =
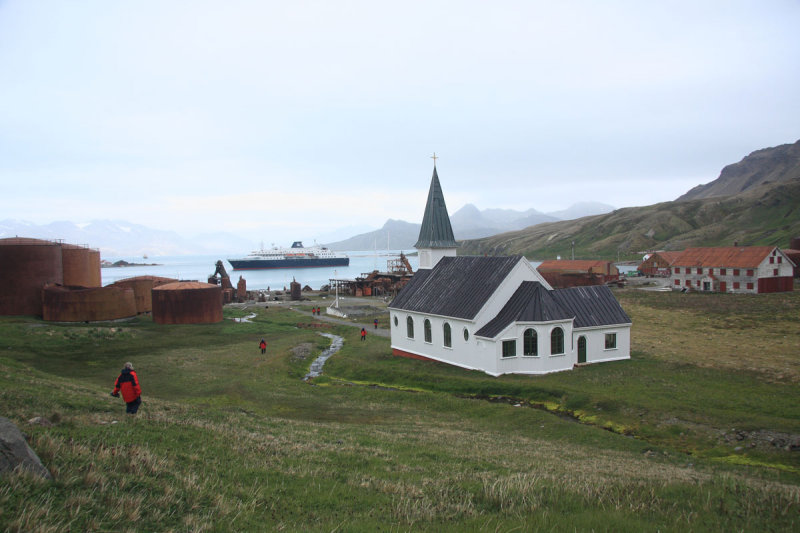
(593, 305)
(457, 287)
(530, 303)
(436, 231)
(590, 307)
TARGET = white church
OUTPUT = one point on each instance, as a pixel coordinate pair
(498, 314)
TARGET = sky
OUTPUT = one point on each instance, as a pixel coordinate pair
(287, 120)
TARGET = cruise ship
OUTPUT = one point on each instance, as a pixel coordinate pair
(298, 256)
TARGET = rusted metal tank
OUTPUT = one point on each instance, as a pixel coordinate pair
(241, 290)
(142, 289)
(26, 265)
(81, 266)
(187, 302)
(86, 304)
(295, 292)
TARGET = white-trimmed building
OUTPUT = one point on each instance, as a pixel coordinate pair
(737, 269)
(498, 314)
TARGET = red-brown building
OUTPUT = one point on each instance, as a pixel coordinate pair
(658, 264)
(577, 273)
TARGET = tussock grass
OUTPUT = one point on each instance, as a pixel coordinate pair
(229, 440)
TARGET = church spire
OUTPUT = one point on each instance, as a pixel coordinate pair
(436, 238)
(436, 231)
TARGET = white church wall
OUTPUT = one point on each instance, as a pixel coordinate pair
(462, 352)
(542, 363)
(596, 351)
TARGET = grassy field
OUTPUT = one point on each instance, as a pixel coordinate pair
(695, 432)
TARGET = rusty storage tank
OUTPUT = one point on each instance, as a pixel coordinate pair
(86, 304)
(26, 265)
(241, 290)
(295, 292)
(187, 302)
(142, 289)
(81, 266)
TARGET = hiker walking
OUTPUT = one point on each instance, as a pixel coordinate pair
(363, 334)
(263, 346)
(128, 383)
(376, 323)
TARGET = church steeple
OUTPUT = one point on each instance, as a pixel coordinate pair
(436, 238)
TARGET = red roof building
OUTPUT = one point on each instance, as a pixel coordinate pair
(577, 272)
(737, 269)
(658, 264)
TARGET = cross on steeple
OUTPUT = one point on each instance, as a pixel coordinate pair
(434, 157)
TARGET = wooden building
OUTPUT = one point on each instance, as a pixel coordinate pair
(578, 273)
(657, 264)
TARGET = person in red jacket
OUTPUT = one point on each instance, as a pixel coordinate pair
(263, 346)
(128, 383)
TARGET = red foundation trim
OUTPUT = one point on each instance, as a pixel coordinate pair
(401, 353)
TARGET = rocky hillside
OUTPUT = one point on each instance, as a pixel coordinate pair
(768, 214)
(780, 164)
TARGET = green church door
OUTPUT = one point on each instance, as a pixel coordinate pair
(581, 349)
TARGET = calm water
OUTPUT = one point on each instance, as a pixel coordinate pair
(200, 267)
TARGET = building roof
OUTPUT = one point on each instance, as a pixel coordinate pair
(457, 287)
(436, 231)
(728, 256)
(576, 265)
(530, 303)
(591, 306)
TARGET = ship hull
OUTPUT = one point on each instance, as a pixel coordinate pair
(265, 264)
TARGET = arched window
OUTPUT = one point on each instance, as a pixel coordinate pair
(557, 341)
(448, 340)
(466, 334)
(410, 327)
(530, 342)
(395, 321)
(427, 328)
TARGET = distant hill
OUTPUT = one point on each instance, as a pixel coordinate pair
(780, 164)
(118, 238)
(468, 223)
(753, 202)
(394, 235)
(765, 215)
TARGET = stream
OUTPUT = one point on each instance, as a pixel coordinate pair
(316, 366)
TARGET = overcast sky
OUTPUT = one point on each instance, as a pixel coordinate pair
(284, 120)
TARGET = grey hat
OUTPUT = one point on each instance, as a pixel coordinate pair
(129, 366)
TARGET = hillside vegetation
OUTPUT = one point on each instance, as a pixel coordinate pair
(766, 215)
(698, 431)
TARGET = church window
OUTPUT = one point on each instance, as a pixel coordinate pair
(427, 328)
(395, 321)
(510, 348)
(611, 341)
(448, 339)
(556, 341)
(410, 327)
(530, 342)
(466, 334)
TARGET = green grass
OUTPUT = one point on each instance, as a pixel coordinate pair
(230, 440)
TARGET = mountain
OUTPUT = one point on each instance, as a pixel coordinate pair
(117, 238)
(394, 235)
(581, 209)
(765, 215)
(779, 164)
(468, 223)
